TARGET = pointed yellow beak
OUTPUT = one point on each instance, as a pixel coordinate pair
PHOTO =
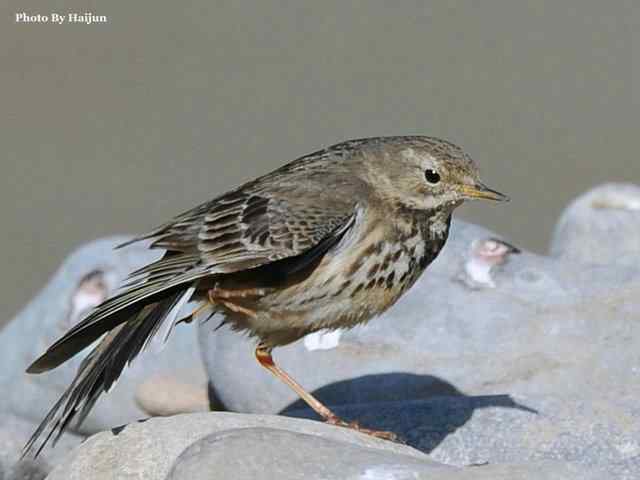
(483, 192)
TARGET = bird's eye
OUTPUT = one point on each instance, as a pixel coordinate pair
(431, 176)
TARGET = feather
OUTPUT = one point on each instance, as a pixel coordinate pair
(101, 369)
(158, 341)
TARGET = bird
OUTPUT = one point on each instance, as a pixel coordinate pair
(327, 241)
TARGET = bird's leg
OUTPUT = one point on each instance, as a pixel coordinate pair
(263, 355)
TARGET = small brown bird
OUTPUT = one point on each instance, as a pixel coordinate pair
(327, 241)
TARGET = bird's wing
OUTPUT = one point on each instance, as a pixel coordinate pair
(254, 225)
(284, 215)
(240, 230)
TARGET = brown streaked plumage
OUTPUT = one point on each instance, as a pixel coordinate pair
(329, 240)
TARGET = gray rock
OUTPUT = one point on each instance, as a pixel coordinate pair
(147, 449)
(273, 454)
(26, 470)
(84, 279)
(270, 454)
(497, 429)
(224, 445)
(164, 395)
(601, 226)
(14, 433)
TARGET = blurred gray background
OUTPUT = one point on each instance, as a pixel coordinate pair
(114, 128)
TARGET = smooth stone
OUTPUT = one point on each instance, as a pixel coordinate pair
(14, 433)
(164, 395)
(270, 454)
(147, 449)
(602, 226)
(85, 278)
(222, 445)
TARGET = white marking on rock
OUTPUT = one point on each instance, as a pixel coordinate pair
(479, 272)
(389, 472)
(483, 256)
(91, 292)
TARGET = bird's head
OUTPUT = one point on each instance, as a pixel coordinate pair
(423, 173)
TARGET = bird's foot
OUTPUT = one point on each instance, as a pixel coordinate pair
(383, 434)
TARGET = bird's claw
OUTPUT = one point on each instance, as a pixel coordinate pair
(353, 425)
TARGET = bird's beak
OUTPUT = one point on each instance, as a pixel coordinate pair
(482, 191)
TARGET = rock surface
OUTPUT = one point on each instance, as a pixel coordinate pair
(14, 433)
(270, 454)
(600, 226)
(147, 449)
(496, 429)
(280, 454)
(163, 395)
(223, 446)
(83, 280)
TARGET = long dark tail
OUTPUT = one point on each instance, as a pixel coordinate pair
(129, 320)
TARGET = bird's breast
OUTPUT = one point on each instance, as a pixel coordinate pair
(363, 277)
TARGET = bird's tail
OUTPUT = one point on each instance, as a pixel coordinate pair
(126, 323)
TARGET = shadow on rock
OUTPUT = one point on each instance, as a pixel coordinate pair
(422, 409)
